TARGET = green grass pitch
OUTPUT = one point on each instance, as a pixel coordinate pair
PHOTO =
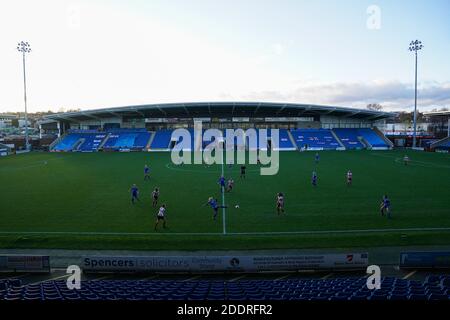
(82, 201)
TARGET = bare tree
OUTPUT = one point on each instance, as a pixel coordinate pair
(374, 106)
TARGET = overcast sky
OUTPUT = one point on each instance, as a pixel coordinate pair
(93, 54)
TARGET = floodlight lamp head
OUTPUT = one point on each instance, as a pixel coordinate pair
(24, 47)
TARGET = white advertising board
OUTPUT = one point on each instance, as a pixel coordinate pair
(225, 263)
(18, 263)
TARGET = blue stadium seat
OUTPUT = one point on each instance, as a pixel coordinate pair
(91, 141)
(68, 142)
(418, 297)
(285, 142)
(399, 296)
(354, 289)
(315, 139)
(349, 137)
(161, 139)
(127, 139)
(372, 138)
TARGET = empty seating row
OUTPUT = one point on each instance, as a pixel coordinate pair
(285, 141)
(80, 142)
(92, 140)
(444, 146)
(349, 137)
(372, 138)
(163, 139)
(119, 139)
(433, 288)
(127, 140)
(315, 139)
(68, 142)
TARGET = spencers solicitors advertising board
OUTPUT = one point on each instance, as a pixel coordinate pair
(225, 263)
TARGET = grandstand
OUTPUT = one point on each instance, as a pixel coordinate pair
(249, 252)
(150, 127)
(316, 139)
(440, 124)
(442, 145)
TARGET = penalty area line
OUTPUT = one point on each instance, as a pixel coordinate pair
(268, 233)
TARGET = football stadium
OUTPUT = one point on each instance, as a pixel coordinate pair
(100, 154)
(212, 159)
(75, 199)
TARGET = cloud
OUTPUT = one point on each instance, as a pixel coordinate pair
(278, 49)
(393, 95)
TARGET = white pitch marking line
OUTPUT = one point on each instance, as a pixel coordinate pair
(327, 276)
(420, 163)
(409, 274)
(191, 278)
(282, 277)
(223, 204)
(51, 279)
(268, 233)
(107, 233)
(151, 277)
(238, 278)
(198, 171)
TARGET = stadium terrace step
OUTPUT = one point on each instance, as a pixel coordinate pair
(161, 139)
(104, 141)
(91, 142)
(443, 144)
(337, 139)
(372, 138)
(67, 142)
(292, 139)
(382, 136)
(287, 142)
(150, 140)
(349, 137)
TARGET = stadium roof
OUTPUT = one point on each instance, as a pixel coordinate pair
(219, 109)
(437, 113)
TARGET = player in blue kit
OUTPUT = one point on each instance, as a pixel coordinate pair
(214, 205)
(221, 182)
(385, 206)
(314, 179)
(146, 172)
(134, 193)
